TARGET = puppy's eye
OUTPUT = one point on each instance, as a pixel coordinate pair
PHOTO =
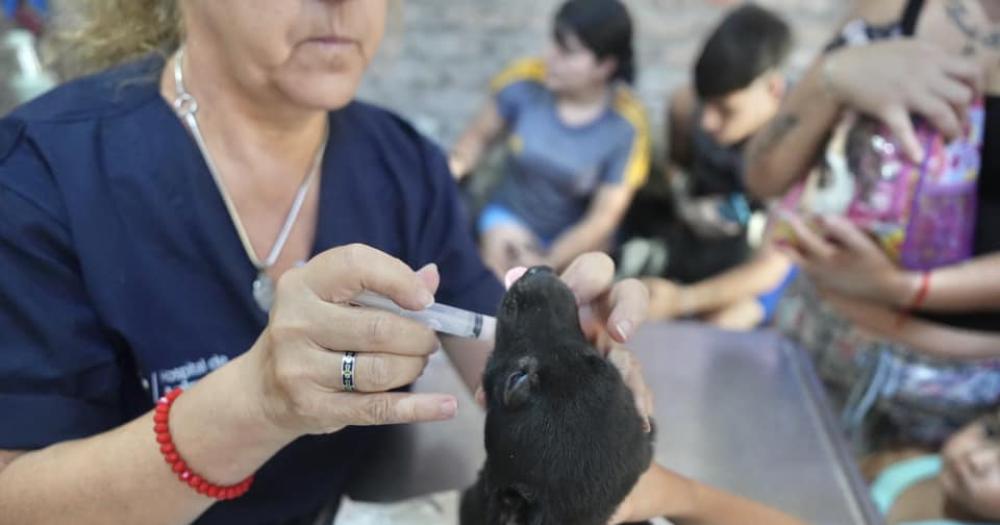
(517, 388)
(515, 379)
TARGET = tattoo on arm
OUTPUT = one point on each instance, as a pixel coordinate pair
(775, 131)
(960, 16)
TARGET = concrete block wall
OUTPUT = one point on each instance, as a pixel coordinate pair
(439, 55)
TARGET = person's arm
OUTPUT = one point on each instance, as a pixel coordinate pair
(594, 232)
(783, 151)
(756, 276)
(785, 148)
(662, 493)
(925, 337)
(840, 257)
(120, 476)
(486, 127)
(942, 341)
(231, 421)
(509, 91)
(970, 286)
(888, 80)
(50, 334)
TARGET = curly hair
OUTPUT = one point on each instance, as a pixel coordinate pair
(111, 32)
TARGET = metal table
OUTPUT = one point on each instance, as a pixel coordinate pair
(740, 411)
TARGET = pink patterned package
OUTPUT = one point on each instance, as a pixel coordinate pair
(923, 215)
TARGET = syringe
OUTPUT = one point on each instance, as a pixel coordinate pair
(439, 317)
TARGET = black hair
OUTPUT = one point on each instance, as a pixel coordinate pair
(749, 41)
(604, 27)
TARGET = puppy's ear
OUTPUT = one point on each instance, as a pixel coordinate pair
(521, 382)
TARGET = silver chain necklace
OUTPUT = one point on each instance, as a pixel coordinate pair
(263, 286)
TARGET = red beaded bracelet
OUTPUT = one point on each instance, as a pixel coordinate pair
(918, 299)
(161, 426)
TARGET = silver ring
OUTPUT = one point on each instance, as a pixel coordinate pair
(347, 370)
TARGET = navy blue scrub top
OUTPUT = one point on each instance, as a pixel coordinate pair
(122, 276)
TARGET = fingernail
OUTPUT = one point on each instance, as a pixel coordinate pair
(624, 329)
(448, 409)
(426, 298)
(647, 427)
(586, 315)
(428, 268)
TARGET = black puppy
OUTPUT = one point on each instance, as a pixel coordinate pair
(564, 441)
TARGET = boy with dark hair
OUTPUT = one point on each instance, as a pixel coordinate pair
(738, 83)
(737, 88)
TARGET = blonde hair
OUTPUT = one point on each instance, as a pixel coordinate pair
(112, 32)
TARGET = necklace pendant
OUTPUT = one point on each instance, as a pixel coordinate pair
(263, 291)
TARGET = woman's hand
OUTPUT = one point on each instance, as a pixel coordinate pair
(893, 79)
(298, 358)
(841, 258)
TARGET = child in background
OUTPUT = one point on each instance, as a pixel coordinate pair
(577, 142)
(712, 271)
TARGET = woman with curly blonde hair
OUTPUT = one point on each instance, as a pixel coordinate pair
(196, 216)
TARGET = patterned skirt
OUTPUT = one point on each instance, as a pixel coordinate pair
(888, 394)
